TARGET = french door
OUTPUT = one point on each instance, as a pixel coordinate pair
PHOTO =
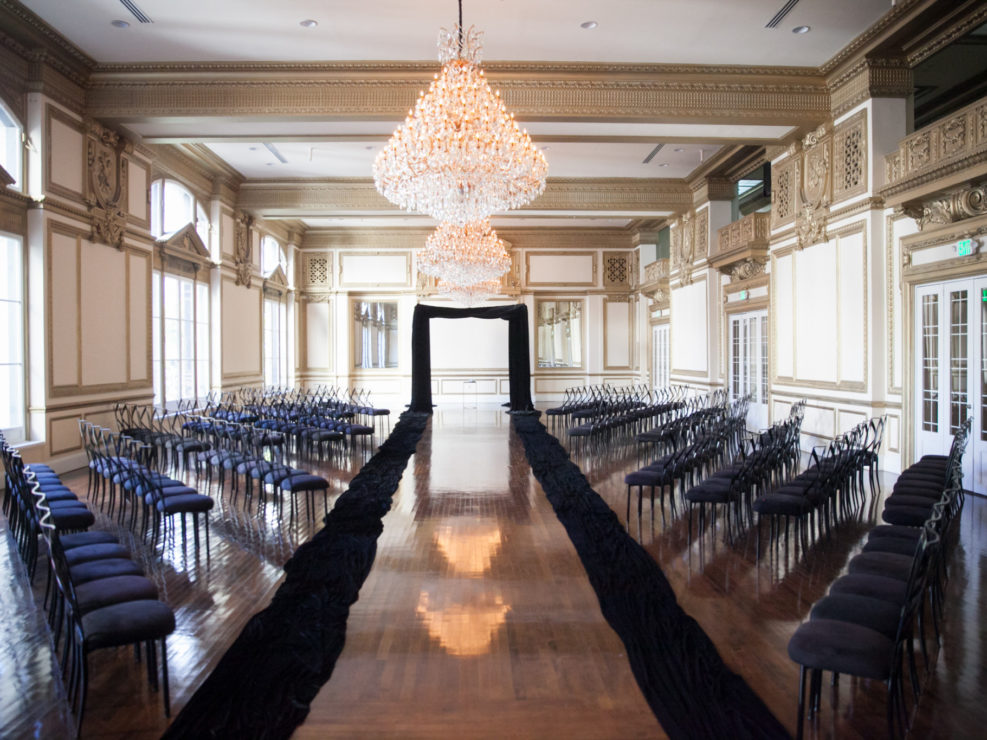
(660, 359)
(951, 372)
(749, 363)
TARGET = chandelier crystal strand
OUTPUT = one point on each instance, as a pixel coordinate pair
(464, 255)
(460, 156)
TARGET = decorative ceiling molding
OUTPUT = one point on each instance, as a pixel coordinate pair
(941, 36)
(25, 32)
(534, 91)
(886, 26)
(871, 78)
(519, 239)
(299, 198)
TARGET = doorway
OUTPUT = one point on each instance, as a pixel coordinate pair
(951, 371)
(660, 360)
(749, 363)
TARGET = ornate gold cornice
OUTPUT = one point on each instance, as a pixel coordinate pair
(900, 13)
(21, 29)
(534, 91)
(870, 78)
(175, 162)
(940, 36)
(570, 239)
(348, 195)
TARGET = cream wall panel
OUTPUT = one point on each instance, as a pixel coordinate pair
(241, 330)
(460, 386)
(64, 310)
(689, 326)
(137, 191)
(226, 234)
(104, 315)
(900, 228)
(468, 344)
(815, 314)
(617, 338)
(63, 435)
(380, 387)
(784, 315)
(848, 419)
(819, 421)
(852, 308)
(139, 267)
(567, 269)
(66, 156)
(374, 269)
(317, 325)
(557, 385)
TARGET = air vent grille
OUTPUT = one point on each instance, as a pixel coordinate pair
(780, 15)
(135, 11)
(653, 153)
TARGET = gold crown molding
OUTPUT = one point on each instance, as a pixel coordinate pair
(943, 37)
(885, 26)
(757, 100)
(393, 239)
(24, 29)
(13, 212)
(209, 161)
(712, 188)
(871, 78)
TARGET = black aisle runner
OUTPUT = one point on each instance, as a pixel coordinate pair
(689, 688)
(263, 685)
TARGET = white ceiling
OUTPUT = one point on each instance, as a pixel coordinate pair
(631, 31)
(675, 31)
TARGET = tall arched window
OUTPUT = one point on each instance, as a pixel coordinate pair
(180, 295)
(173, 206)
(12, 146)
(12, 407)
(272, 258)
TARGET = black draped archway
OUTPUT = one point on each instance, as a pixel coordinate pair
(519, 363)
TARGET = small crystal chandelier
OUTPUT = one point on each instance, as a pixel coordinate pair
(460, 156)
(463, 256)
(469, 295)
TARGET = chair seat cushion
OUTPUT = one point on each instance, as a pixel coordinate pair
(894, 530)
(192, 502)
(780, 504)
(66, 495)
(904, 499)
(888, 564)
(81, 539)
(76, 517)
(876, 587)
(866, 611)
(898, 545)
(842, 647)
(643, 478)
(107, 591)
(132, 621)
(304, 482)
(908, 516)
(88, 553)
(86, 572)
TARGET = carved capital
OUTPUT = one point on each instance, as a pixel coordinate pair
(810, 226)
(950, 207)
(746, 270)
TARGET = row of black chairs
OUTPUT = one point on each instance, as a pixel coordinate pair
(703, 440)
(831, 486)
(97, 596)
(868, 623)
(583, 404)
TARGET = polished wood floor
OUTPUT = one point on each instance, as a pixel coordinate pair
(477, 619)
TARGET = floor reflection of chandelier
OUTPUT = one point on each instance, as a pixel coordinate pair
(460, 157)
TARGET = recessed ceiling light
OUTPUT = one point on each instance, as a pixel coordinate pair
(269, 164)
(679, 149)
(368, 148)
(588, 24)
(663, 164)
(253, 148)
(308, 23)
(545, 148)
(120, 24)
(801, 29)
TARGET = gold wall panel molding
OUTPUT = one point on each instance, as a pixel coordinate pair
(52, 114)
(890, 289)
(528, 254)
(106, 184)
(948, 151)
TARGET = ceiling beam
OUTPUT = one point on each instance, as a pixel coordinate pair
(308, 198)
(338, 91)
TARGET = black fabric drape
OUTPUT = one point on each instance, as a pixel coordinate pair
(519, 360)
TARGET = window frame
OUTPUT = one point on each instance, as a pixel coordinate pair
(15, 434)
(15, 145)
(157, 216)
(395, 331)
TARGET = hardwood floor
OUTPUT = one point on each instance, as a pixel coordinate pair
(477, 619)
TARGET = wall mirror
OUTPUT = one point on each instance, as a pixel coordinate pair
(559, 330)
(375, 334)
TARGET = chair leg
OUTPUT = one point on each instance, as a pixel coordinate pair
(801, 710)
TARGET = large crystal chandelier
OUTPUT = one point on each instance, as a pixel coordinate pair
(465, 255)
(460, 156)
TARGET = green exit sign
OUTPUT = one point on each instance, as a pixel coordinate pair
(965, 247)
(743, 295)
(983, 295)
